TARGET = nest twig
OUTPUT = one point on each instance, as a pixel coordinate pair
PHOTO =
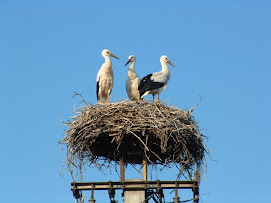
(162, 133)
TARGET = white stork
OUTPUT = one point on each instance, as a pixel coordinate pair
(132, 80)
(156, 82)
(105, 77)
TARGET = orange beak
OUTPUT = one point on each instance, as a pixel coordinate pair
(169, 62)
(114, 56)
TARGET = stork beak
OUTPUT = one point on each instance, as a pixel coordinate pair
(127, 62)
(171, 63)
(114, 56)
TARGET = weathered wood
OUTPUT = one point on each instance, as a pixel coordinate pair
(122, 170)
(135, 185)
(145, 168)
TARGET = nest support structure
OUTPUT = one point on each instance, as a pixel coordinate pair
(133, 131)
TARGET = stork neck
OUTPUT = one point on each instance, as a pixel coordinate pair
(132, 66)
(131, 71)
(107, 60)
(165, 67)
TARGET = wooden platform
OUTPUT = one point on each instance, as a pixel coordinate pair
(157, 185)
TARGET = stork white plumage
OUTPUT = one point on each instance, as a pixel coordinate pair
(132, 81)
(156, 82)
(105, 78)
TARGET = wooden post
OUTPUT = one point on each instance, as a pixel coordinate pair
(92, 200)
(176, 198)
(145, 168)
(122, 170)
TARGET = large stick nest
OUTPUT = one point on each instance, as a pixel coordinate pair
(163, 134)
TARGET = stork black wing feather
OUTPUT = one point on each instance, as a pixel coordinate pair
(143, 81)
(97, 90)
(147, 84)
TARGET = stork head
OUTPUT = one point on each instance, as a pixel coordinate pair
(131, 59)
(107, 53)
(166, 60)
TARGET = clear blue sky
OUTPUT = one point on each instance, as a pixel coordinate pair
(221, 51)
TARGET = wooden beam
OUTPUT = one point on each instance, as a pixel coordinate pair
(122, 170)
(145, 168)
(135, 185)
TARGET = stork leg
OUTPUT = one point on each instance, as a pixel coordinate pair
(108, 93)
(137, 98)
(158, 99)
